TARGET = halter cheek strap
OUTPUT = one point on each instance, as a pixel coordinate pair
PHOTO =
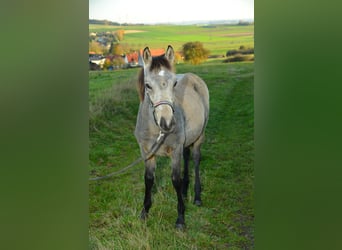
(155, 105)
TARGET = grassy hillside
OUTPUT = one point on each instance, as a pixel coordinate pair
(226, 218)
(218, 38)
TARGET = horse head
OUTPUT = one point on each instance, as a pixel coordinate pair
(159, 83)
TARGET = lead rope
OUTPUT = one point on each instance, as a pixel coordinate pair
(153, 150)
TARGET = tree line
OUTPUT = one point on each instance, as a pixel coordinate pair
(104, 22)
(107, 22)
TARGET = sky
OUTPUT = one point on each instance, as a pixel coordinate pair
(159, 11)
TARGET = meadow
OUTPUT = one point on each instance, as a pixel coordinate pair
(226, 218)
(217, 38)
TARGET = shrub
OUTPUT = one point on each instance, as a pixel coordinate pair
(231, 52)
(108, 63)
(194, 52)
(239, 58)
(242, 50)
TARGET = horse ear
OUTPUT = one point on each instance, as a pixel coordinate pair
(147, 57)
(170, 54)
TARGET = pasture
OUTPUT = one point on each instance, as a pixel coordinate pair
(226, 218)
(217, 38)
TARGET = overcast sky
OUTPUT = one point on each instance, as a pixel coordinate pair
(155, 11)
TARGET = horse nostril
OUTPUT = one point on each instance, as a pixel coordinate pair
(163, 124)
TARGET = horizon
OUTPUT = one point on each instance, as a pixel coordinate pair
(190, 22)
(122, 11)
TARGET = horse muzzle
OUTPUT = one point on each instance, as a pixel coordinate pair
(167, 127)
(163, 115)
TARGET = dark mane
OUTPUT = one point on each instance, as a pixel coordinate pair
(141, 85)
(157, 63)
(160, 61)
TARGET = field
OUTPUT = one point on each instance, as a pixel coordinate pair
(226, 218)
(217, 38)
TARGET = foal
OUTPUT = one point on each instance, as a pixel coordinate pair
(173, 114)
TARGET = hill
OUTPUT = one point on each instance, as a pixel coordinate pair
(218, 38)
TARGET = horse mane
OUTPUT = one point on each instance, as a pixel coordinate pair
(141, 85)
(157, 63)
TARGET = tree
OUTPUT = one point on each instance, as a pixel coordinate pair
(117, 49)
(96, 47)
(194, 52)
(120, 34)
(178, 57)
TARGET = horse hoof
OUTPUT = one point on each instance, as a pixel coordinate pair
(198, 203)
(143, 215)
(180, 226)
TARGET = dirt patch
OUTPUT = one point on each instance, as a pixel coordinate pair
(133, 31)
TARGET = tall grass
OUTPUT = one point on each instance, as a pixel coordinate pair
(226, 218)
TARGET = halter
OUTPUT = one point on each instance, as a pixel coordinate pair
(155, 105)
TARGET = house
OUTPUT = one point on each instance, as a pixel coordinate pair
(134, 59)
(96, 59)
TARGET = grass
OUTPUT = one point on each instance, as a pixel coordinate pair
(226, 218)
(217, 39)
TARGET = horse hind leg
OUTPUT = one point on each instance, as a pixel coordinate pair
(177, 184)
(186, 156)
(196, 152)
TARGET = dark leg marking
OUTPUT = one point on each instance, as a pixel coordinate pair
(186, 156)
(180, 222)
(149, 180)
(177, 184)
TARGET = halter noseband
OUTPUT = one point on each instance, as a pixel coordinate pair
(155, 105)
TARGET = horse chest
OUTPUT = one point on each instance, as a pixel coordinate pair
(165, 150)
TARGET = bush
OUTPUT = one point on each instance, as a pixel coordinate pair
(194, 52)
(118, 62)
(108, 63)
(239, 58)
(231, 52)
(242, 50)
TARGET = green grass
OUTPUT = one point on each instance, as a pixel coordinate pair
(218, 39)
(226, 218)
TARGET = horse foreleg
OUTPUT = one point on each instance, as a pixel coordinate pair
(150, 166)
(177, 184)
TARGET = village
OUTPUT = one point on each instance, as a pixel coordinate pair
(111, 62)
(106, 54)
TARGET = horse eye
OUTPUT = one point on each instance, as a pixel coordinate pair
(148, 86)
(174, 85)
